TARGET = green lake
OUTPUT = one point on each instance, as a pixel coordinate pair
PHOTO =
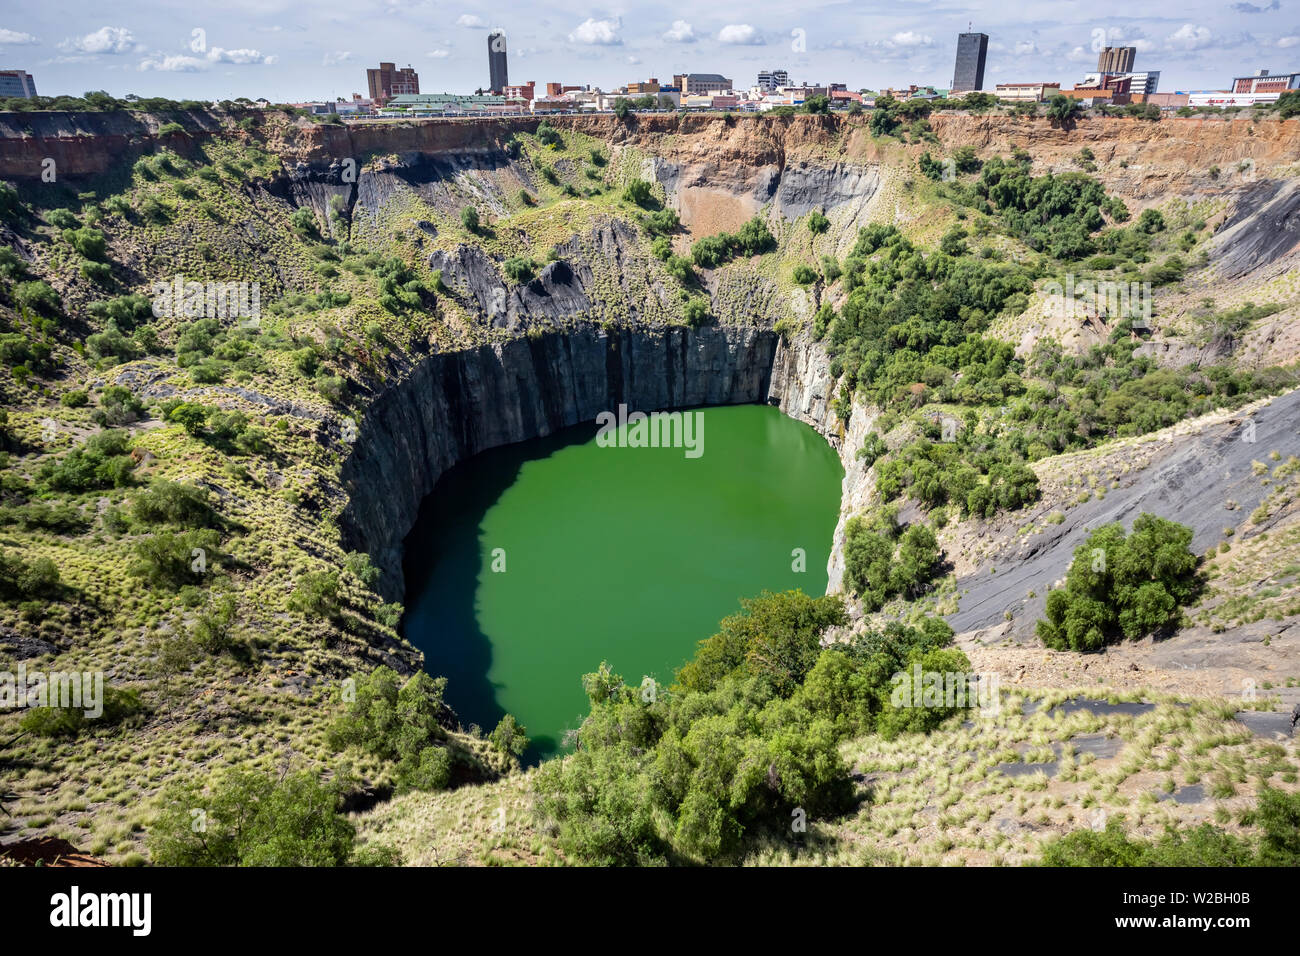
(629, 555)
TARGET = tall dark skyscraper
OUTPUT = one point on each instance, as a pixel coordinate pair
(497, 61)
(971, 50)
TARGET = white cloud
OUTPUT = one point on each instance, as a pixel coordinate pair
(910, 38)
(438, 54)
(1080, 55)
(633, 60)
(14, 38)
(681, 32)
(470, 21)
(174, 64)
(1189, 37)
(244, 56)
(739, 34)
(1026, 48)
(1287, 42)
(597, 32)
(337, 57)
(104, 40)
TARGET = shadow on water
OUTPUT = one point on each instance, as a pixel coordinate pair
(443, 579)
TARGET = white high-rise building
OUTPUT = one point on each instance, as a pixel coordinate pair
(772, 80)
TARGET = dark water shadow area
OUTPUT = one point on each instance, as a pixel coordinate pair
(442, 589)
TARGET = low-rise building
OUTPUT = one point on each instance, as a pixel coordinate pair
(1145, 83)
(1166, 101)
(1265, 82)
(1222, 98)
(553, 104)
(524, 91)
(442, 104)
(1027, 92)
(690, 83)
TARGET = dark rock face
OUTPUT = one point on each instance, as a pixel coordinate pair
(805, 187)
(455, 405)
(1264, 227)
(591, 279)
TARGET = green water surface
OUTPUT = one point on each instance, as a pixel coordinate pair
(618, 554)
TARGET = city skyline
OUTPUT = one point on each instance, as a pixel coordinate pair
(273, 50)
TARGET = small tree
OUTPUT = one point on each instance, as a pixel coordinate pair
(509, 736)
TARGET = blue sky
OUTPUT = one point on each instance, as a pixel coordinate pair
(297, 51)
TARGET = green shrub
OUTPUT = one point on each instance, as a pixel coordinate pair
(696, 311)
(882, 561)
(639, 193)
(252, 819)
(118, 706)
(174, 560)
(509, 736)
(400, 723)
(519, 269)
(176, 503)
(101, 462)
(316, 594)
(22, 581)
(37, 296)
(1122, 586)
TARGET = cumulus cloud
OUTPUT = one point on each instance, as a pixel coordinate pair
(910, 38)
(243, 56)
(681, 32)
(173, 64)
(1026, 47)
(739, 34)
(1288, 42)
(1251, 8)
(14, 38)
(471, 22)
(110, 40)
(438, 54)
(336, 57)
(633, 59)
(597, 32)
(1189, 37)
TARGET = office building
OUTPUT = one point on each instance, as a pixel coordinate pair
(17, 84)
(772, 80)
(1116, 59)
(388, 81)
(972, 49)
(499, 78)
